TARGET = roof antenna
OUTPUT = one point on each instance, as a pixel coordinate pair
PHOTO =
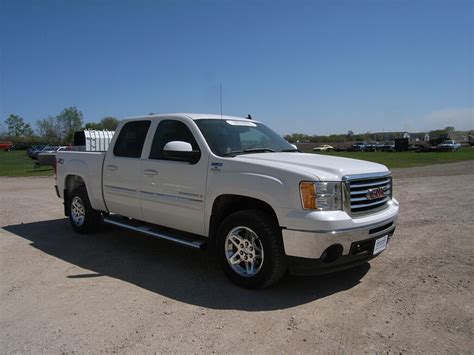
(249, 116)
(222, 122)
(220, 95)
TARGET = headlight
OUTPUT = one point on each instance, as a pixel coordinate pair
(321, 196)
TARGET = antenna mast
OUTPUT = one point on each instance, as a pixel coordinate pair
(222, 122)
(220, 95)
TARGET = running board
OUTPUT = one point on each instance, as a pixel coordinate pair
(183, 240)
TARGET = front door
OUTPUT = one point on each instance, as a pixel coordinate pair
(172, 193)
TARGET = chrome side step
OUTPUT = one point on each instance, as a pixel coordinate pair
(183, 240)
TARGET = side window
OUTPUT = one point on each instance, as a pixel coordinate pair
(131, 138)
(168, 131)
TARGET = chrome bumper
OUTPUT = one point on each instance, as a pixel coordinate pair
(312, 244)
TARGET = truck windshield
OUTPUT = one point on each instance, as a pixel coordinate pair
(234, 137)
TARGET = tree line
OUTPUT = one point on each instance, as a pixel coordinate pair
(57, 129)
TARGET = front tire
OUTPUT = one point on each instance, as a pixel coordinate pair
(83, 218)
(250, 249)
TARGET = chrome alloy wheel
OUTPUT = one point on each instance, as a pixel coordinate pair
(244, 251)
(78, 211)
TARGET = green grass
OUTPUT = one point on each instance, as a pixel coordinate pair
(17, 163)
(408, 159)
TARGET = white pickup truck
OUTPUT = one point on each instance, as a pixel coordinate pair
(233, 185)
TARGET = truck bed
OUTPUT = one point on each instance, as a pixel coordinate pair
(88, 166)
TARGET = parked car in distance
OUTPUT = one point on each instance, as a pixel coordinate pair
(359, 146)
(46, 149)
(232, 186)
(49, 157)
(34, 148)
(449, 145)
(34, 153)
(6, 146)
(323, 148)
(388, 146)
(373, 146)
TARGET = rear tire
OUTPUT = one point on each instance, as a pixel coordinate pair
(250, 249)
(83, 218)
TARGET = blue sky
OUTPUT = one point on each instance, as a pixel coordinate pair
(317, 67)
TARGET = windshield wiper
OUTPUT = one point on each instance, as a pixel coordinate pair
(248, 151)
(259, 150)
(233, 153)
(291, 150)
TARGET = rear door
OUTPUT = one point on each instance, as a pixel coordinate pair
(172, 192)
(122, 168)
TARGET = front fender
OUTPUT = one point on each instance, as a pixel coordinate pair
(269, 189)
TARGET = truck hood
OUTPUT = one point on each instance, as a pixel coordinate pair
(323, 167)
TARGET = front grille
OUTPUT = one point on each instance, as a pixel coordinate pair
(366, 193)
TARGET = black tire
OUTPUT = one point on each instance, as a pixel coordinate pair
(92, 219)
(274, 263)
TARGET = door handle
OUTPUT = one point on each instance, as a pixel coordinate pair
(150, 172)
(112, 167)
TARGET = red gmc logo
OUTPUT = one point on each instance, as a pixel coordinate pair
(376, 193)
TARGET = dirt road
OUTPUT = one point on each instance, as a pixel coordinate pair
(122, 292)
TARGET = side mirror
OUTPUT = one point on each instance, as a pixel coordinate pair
(181, 151)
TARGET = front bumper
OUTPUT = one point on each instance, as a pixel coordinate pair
(313, 244)
(360, 253)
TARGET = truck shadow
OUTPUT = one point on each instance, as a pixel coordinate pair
(179, 273)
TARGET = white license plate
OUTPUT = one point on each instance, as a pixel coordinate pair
(380, 244)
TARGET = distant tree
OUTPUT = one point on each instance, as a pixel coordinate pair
(17, 127)
(94, 126)
(441, 132)
(70, 120)
(109, 123)
(50, 130)
(3, 131)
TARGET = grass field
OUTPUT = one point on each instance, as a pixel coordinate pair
(17, 163)
(408, 159)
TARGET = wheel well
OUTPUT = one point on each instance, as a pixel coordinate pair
(72, 182)
(225, 205)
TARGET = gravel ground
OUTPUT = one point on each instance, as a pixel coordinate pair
(122, 292)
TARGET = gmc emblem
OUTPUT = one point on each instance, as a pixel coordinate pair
(376, 193)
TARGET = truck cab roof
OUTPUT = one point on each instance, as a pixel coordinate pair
(192, 116)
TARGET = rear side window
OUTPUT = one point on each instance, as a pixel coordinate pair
(131, 139)
(168, 131)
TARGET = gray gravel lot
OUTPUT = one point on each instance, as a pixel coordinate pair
(122, 292)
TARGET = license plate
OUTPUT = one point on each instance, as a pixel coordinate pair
(380, 244)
